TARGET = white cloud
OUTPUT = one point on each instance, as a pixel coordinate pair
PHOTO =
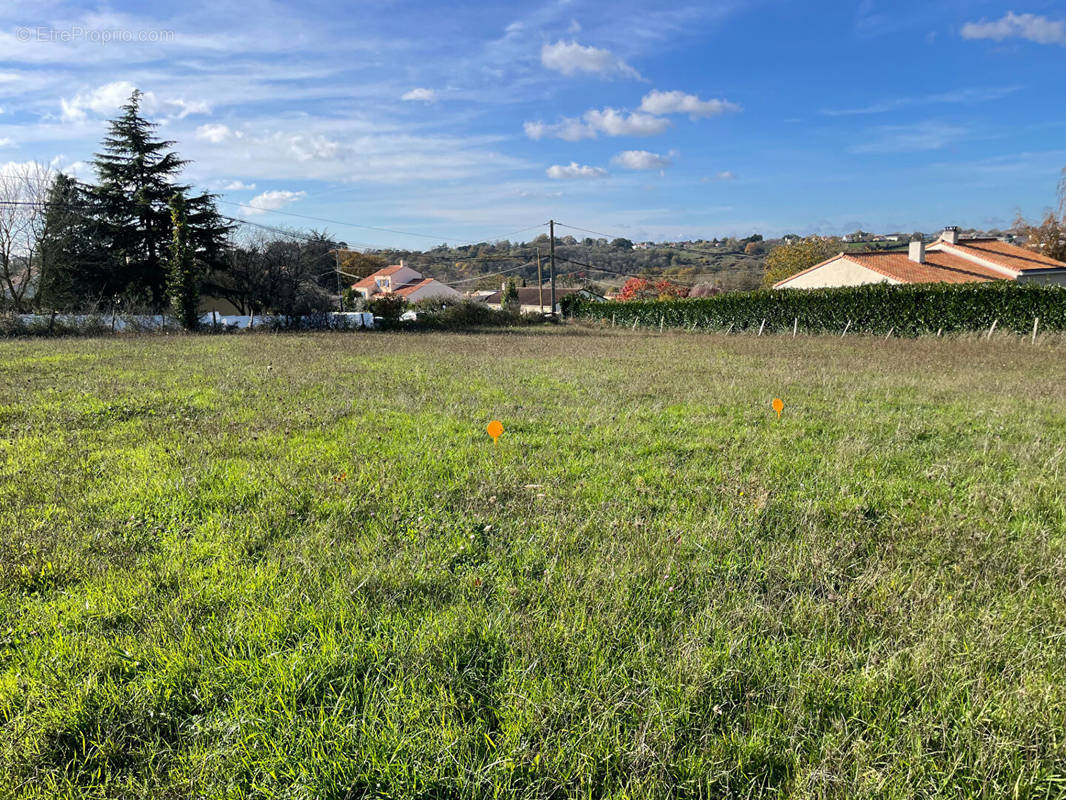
(680, 103)
(238, 186)
(724, 175)
(102, 100)
(107, 99)
(537, 130)
(181, 106)
(216, 134)
(425, 95)
(641, 159)
(976, 95)
(571, 58)
(313, 148)
(955, 96)
(615, 123)
(6, 141)
(271, 201)
(16, 169)
(919, 137)
(77, 169)
(593, 122)
(648, 121)
(1018, 26)
(569, 129)
(344, 149)
(575, 170)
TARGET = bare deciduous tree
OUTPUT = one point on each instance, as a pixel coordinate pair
(23, 196)
(272, 272)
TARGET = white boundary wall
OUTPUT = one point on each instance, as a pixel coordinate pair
(336, 320)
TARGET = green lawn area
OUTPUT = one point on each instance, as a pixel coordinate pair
(296, 566)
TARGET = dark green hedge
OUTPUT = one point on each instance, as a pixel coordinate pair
(875, 308)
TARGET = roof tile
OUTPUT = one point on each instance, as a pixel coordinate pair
(409, 288)
(937, 268)
(1004, 254)
(370, 281)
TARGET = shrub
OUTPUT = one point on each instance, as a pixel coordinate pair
(509, 297)
(458, 315)
(874, 308)
(388, 306)
(569, 303)
(351, 300)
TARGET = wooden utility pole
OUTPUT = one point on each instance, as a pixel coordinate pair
(540, 284)
(551, 241)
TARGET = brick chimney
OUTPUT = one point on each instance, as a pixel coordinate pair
(950, 234)
(917, 251)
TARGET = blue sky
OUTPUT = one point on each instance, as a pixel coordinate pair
(650, 120)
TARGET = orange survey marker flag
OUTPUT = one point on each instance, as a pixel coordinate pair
(495, 430)
(779, 406)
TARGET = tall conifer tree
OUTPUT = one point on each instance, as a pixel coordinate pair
(76, 270)
(137, 176)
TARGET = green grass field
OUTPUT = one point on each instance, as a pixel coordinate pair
(296, 566)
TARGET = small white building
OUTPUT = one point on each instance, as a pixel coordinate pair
(947, 260)
(402, 281)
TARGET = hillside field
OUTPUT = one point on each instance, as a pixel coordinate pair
(296, 566)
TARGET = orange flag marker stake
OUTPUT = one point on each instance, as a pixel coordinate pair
(779, 406)
(495, 430)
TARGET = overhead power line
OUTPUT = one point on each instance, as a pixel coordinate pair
(492, 274)
(343, 223)
(423, 256)
(624, 274)
(431, 236)
(283, 231)
(79, 208)
(586, 230)
(521, 230)
(280, 231)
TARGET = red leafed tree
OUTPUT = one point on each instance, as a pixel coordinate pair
(666, 289)
(643, 289)
(635, 289)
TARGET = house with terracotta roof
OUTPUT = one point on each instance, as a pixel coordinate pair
(947, 260)
(402, 281)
